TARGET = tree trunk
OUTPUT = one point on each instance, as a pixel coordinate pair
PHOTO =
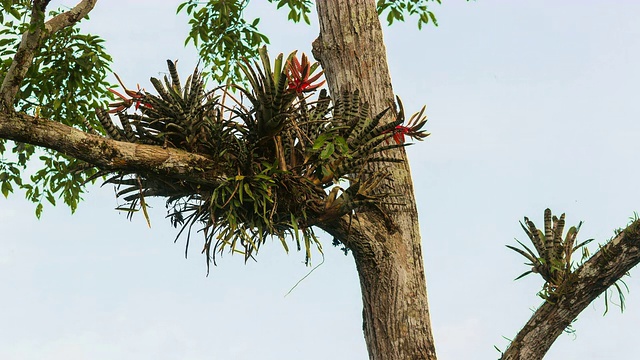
(387, 251)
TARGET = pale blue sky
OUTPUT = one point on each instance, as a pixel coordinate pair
(531, 105)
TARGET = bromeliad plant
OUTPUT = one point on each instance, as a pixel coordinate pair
(553, 260)
(282, 155)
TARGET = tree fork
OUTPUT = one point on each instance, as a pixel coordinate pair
(389, 261)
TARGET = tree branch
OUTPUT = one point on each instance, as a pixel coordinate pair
(108, 154)
(590, 280)
(30, 42)
(68, 18)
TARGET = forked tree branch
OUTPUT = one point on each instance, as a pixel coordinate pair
(590, 280)
(31, 41)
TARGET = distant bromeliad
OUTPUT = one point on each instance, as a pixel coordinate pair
(279, 157)
(553, 260)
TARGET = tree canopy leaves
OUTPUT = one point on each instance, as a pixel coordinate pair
(66, 81)
(223, 36)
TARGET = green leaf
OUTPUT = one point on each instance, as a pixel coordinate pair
(319, 142)
(342, 145)
(247, 189)
(50, 198)
(6, 188)
(327, 151)
(433, 18)
(181, 6)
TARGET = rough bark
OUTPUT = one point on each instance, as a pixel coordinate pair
(590, 280)
(388, 256)
(105, 153)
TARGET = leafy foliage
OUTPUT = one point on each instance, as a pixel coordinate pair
(397, 9)
(278, 158)
(298, 9)
(14, 8)
(65, 82)
(222, 35)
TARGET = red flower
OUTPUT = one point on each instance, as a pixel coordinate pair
(399, 132)
(413, 129)
(126, 102)
(298, 74)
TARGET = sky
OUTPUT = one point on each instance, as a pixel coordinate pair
(531, 105)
